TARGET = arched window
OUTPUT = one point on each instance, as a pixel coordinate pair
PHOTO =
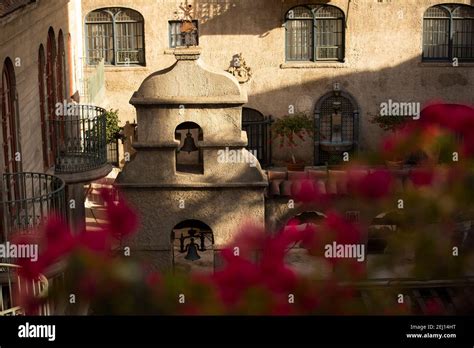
(47, 155)
(61, 69)
(448, 33)
(315, 33)
(115, 35)
(10, 130)
(51, 88)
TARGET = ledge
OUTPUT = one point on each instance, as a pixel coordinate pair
(195, 100)
(197, 186)
(121, 68)
(200, 144)
(314, 65)
(445, 65)
(87, 176)
(155, 145)
(223, 145)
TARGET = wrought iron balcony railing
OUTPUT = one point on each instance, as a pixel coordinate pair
(79, 139)
(12, 286)
(27, 200)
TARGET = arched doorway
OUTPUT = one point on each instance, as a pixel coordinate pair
(192, 244)
(336, 122)
(259, 136)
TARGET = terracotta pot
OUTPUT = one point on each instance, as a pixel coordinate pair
(187, 27)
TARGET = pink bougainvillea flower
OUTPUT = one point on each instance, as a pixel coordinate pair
(393, 143)
(122, 220)
(270, 272)
(236, 277)
(96, 241)
(310, 239)
(455, 117)
(280, 279)
(374, 185)
(55, 239)
(305, 191)
(422, 176)
(249, 239)
(345, 232)
(153, 279)
(433, 307)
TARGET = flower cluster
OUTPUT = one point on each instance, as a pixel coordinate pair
(253, 275)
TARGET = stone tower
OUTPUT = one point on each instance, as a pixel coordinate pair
(191, 163)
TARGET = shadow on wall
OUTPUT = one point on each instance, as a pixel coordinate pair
(406, 82)
(221, 14)
(273, 89)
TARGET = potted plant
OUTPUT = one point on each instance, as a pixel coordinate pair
(287, 129)
(391, 124)
(112, 128)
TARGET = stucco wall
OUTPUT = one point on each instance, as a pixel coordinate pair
(21, 35)
(160, 211)
(383, 57)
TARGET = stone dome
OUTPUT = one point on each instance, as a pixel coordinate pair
(189, 81)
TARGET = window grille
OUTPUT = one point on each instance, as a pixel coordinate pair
(315, 33)
(115, 35)
(448, 32)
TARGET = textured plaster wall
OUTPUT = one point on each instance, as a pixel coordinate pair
(383, 57)
(221, 209)
(21, 34)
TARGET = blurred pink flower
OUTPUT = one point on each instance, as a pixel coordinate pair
(56, 241)
(433, 307)
(96, 241)
(455, 117)
(305, 191)
(422, 176)
(122, 220)
(374, 185)
(345, 232)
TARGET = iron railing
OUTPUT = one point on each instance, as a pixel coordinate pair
(12, 286)
(27, 200)
(80, 139)
(113, 152)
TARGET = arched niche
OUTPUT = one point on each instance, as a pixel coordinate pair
(336, 122)
(189, 156)
(192, 244)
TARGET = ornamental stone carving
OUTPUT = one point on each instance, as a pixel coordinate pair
(239, 68)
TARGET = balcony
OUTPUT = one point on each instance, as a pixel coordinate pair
(11, 285)
(80, 145)
(27, 200)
